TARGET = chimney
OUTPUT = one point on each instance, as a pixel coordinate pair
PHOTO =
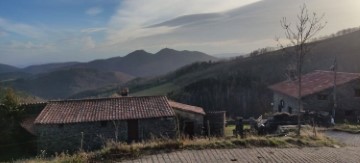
(124, 92)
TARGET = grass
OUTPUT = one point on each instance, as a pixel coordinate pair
(229, 130)
(158, 90)
(350, 128)
(123, 151)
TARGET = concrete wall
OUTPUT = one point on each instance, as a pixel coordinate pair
(288, 102)
(184, 116)
(68, 137)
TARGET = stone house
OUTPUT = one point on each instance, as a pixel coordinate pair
(88, 123)
(190, 118)
(318, 92)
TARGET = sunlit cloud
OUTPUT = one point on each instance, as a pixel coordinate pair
(93, 30)
(88, 43)
(133, 17)
(21, 29)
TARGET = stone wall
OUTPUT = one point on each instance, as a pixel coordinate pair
(157, 128)
(68, 137)
(184, 117)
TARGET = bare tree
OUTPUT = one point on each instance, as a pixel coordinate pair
(299, 35)
(116, 132)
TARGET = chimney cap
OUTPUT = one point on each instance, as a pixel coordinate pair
(124, 92)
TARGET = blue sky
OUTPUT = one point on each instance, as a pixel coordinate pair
(43, 31)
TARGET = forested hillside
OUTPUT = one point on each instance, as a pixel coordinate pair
(239, 86)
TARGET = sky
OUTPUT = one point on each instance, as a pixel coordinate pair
(45, 31)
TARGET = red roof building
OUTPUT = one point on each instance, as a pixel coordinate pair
(317, 94)
(313, 82)
(186, 108)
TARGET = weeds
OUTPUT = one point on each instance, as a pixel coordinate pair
(121, 151)
(350, 128)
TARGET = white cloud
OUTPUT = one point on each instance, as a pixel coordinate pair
(21, 29)
(93, 30)
(134, 15)
(17, 45)
(208, 23)
(88, 43)
(94, 11)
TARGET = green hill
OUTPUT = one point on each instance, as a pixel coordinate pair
(61, 84)
(7, 68)
(239, 86)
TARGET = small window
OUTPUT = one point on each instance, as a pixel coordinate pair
(357, 92)
(322, 97)
(290, 109)
(103, 123)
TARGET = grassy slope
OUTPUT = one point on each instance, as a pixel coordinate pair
(261, 70)
(158, 90)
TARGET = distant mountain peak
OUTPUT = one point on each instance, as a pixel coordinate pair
(138, 53)
(167, 51)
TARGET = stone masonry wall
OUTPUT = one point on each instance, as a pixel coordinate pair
(67, 137)
(184, 117)
(157, 128)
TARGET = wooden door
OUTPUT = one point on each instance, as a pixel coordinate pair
(189, 129)
(133, 130)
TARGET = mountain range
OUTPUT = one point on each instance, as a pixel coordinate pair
(239, 85)
(60, 80)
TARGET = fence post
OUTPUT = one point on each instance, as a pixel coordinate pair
(208, 128)
(82, 141)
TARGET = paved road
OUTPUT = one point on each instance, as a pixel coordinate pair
(352, 140)
(349, 154)
(284, 155)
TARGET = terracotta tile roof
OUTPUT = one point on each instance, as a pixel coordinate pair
(185, 107)
(89, 110)
(313, 82)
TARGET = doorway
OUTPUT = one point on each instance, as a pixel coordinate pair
(189, 129)
(133, 130)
